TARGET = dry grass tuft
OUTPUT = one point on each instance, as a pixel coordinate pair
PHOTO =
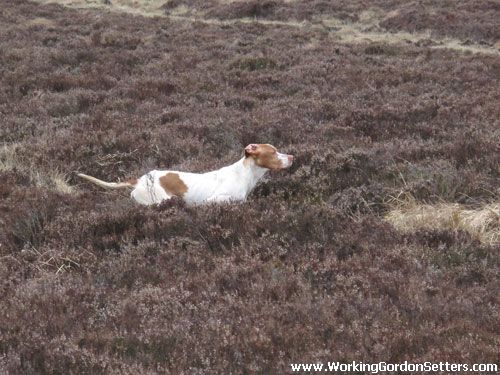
(52, 180)
(148, 8)
(7, 157)
(368, 29)
(40, 21)
(482, 223)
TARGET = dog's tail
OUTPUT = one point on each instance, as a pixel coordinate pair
(109, 185)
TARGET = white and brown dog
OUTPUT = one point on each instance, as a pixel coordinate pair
(231, 183)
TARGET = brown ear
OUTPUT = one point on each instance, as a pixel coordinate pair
(251, 149)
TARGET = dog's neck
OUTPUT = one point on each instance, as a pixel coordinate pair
(248, 173)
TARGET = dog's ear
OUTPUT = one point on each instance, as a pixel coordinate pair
(251, 149)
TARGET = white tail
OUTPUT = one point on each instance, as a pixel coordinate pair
(108, 185)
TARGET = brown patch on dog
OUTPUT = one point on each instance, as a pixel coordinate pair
(264, 155)
(173, 184)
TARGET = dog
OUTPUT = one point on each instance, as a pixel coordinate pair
(228, 184)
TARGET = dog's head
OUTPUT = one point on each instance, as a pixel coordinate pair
(266, 156)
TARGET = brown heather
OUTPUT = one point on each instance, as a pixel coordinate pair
(306, 270)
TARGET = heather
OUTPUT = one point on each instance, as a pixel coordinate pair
(307, 269)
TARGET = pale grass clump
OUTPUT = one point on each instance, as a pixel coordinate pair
(146, 8)
(482, 223)
(7, 157)
(41, 21)
(53, 180)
